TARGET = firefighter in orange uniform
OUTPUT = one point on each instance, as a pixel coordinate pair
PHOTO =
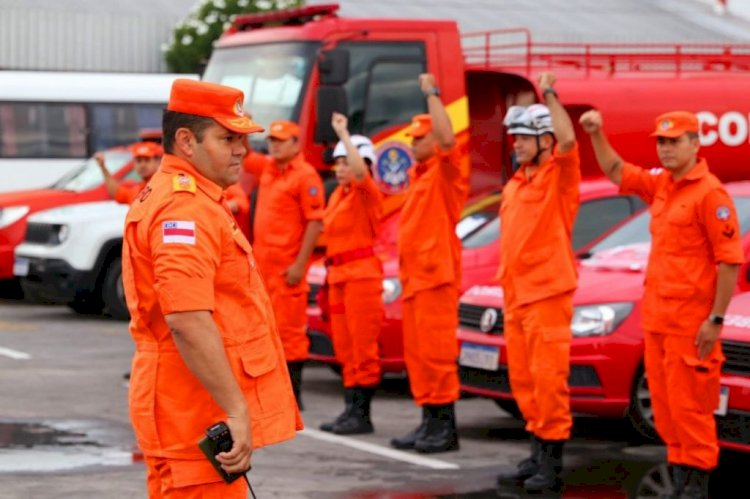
(288, 221)
(430, 272)
(239, 204)
(146, 158)
(207, 347)
(354, 278)
(692, 271)
(538, 275)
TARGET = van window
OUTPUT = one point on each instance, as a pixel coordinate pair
(118, 124)
(373, 73)
(42, 130)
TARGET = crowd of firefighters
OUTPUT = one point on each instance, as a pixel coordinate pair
(220, 326)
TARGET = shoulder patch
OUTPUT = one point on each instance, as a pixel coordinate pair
(656, 171)
(178, 231)
(183, 183)
(723, 213)
(313, 191)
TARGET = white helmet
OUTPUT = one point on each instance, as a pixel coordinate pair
(364, 147)
(532, 120)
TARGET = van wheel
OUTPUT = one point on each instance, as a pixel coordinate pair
(641, 412)
(510, 407)
(113, 292)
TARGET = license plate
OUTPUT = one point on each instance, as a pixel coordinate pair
(480, 356)
(723, 402)
(21, 267)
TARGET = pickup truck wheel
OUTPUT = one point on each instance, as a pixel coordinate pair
(640, 412)
(113, 292)
(510, 407)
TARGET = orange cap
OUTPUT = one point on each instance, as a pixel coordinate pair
(222, 103)
(421, 125)
(283, 130)
(676, 123)
(146, 150)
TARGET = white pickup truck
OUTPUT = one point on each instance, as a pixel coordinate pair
(72, 255)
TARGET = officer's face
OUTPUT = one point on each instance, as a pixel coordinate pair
(423, 148)
(219, 155)
(283, 151)
(678, 153)
(526, 147)
(146, 167)
(343, 172)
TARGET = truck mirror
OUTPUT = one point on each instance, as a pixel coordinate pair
(329, 99)
(334, 67)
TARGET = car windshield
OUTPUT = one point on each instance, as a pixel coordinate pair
(272, 76)
(477, 222)
(88, 176)
(636, 230)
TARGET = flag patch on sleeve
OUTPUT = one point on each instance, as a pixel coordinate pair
(178, 231)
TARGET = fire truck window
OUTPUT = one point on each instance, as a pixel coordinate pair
(363, 60)
(597, 216)
(393, 95)
(34, 130)
(119, 124)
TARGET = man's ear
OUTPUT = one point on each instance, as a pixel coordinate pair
(184, 142)
(547, 141)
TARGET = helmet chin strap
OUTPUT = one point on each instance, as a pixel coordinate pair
(539, 151)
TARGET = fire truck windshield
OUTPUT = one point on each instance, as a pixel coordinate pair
(273, 77)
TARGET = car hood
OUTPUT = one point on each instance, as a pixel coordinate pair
(35, 199)
(737, 319)
(625, 258)
(81, 213)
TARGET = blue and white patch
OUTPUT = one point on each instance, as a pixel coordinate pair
(723, 213)
(390, 171)
(656, 171)
(313, 191)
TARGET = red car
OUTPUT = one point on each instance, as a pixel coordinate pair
(82, 184)
(606, 376)
(733, 415)
(479, 230)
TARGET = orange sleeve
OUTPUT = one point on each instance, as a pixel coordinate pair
(237, 194)
(719, 217)
(255, 162)
(454, 163)
(126, 192)
(311, 195)
(374, 201)
(638, 181)
(570, 168)
(185, 247)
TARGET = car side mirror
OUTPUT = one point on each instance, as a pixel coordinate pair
(329, 100)
(334, 67)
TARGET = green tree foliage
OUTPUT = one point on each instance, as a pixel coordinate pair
(193, 38)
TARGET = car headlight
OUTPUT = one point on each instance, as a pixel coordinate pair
(60, 234)
(12, 214)
(391, 289)
(599, 320)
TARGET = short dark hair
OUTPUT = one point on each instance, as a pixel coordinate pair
(173, 121)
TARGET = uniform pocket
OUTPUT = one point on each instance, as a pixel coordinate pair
(675, 290)
(142, 398)
(258, 357)
(706, 382)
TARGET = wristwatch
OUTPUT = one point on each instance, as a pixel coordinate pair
(435, 91)
(549, 90)
(716, 319)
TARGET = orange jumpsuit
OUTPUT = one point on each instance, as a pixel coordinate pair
(355, 275)
(538, 275)
(127, 191)
(694, 227)
(242, 216)
(430, 272)
(287, 200)
(183, 252)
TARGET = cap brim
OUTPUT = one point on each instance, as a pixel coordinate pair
(280, 136)
(239, 124)
(669, 134)
(418, 132)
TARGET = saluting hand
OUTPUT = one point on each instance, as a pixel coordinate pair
(427, 82)
(547, 80)
(339, 122)
(237, 460)
(99, 157)
(591, 121)
(706, 338)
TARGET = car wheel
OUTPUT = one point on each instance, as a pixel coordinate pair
(655, 483)
(86, 306)
(113, 292)
(510, 407)
(335, 368)
(640, 411)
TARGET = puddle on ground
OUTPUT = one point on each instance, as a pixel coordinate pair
(46, 447)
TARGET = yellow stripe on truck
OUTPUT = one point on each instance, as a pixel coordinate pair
(458, 112)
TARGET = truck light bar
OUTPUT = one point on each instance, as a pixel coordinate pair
(287, 17)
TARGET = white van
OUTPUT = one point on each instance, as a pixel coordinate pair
(51, 121)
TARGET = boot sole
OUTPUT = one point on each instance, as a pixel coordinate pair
(429, 450)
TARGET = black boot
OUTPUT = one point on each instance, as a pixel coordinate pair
(295, 374)
(357, 422)
(408, 440)
(441, 434)
(550, 467)
(348, 397)
(526, 468)
(696, 483)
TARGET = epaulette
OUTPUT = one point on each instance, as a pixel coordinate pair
(182, 182)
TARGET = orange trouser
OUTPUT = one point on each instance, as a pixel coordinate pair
(430, 320)
(684, 413)
(164, 483)
(356, 317)
(538, 339)
(290, 309)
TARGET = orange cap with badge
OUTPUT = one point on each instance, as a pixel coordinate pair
(223, 104)
(675, 124)
(146, 150)
(420, 126)
(283, 130)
